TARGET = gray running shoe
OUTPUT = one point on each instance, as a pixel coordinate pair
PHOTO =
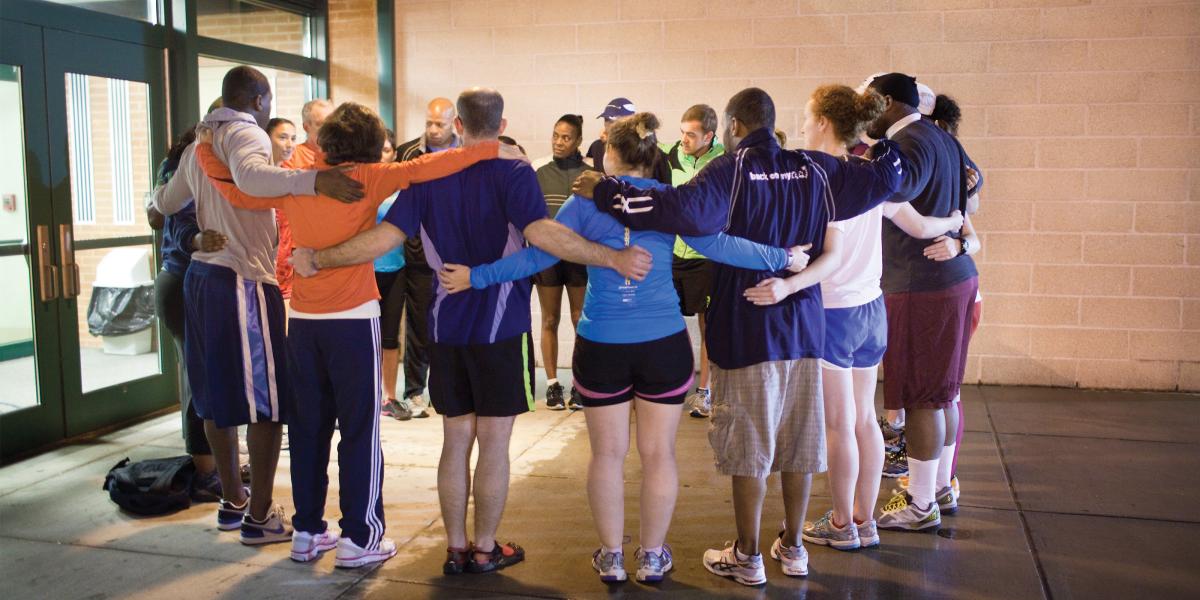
(823, 533)
(947, 500)
(868, 533)
(700, 402)
(900, 513)
(397, 409)
(610, 565)
(653, 566)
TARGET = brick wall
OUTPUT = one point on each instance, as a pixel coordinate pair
(353, 52)
(1084, 115)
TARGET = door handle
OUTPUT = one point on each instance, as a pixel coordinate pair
(47, 272)
(70, 268)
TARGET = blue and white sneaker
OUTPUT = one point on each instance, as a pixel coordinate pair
(229, 515)
(276, 528)
(610, 565)
(307, 546)
(792, 559)
(653, 566)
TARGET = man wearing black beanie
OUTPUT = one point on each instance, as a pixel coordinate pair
(929, 304)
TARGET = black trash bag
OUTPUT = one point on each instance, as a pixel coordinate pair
(120, 311)
(152, 487)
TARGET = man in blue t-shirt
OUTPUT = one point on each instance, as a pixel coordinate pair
(767, 412)
(480, 372)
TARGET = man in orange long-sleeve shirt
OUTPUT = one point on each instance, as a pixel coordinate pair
(333, 337)
(306, 156)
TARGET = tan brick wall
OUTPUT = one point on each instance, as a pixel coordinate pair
(1083, 114)
(353, 52)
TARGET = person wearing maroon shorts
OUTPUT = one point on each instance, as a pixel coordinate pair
(929, 302)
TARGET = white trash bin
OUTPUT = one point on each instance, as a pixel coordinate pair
(126, 268)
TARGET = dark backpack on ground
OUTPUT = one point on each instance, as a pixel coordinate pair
(152, 487)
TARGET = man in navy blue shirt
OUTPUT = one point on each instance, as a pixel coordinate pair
(929, 305)
(481, 372)
(768, 413)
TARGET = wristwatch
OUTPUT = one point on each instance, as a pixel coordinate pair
(965, 245)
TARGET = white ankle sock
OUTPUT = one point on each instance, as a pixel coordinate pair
(944, 465)
(550, 382)
(921, 478)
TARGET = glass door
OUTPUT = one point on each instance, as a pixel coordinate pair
(31, 399)
(107, 127)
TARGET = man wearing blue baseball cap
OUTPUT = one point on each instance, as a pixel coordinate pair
(619, 108)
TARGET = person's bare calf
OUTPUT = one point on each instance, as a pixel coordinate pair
(263, 440)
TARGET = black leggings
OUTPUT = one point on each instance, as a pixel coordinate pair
(168, 303)
(392, 292)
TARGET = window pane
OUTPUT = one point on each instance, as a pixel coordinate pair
(290, 90)
(117, 341)
(142, 10)
(17, 367)
(255, 25)
(108, 133)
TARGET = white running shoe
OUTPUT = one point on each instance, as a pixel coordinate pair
(868, 533)
(793, 559)
(276, 528)
(307, 546)
(727, 564)
(653, 566)
(900, 513)
(351, 555)
(610, 565)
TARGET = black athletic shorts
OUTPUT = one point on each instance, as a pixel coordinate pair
(490, 380)
(693, 283)
(658, 370)
(561, 274)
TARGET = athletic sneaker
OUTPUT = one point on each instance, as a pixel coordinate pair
(823, 533)
(868, 533)
(942, 502)
(700, 402)
(947, 501)
(726, 563)
(653, 566)
(554, 397)
(793, 559)
(417, 406)
(610, 565)
(895, 464)
(351, 555)
(307, 546)
(900, 513)
(206, 488)
(395, 409)
(893, 437)
(576, 401)
(244, 472)
(274, 529)
(229, 515)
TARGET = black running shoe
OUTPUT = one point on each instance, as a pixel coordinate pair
(576, 402)
(554, 397)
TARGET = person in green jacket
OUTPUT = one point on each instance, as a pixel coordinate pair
(691, 270)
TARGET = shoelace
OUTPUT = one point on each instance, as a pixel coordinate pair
(898, 502)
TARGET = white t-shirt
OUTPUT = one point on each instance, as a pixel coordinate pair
(856, 281)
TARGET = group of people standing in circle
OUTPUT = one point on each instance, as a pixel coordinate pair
(809, 269)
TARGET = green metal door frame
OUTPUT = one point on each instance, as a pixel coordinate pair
(67, 52)
(42, 423)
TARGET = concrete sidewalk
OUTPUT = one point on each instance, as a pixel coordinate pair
(1065, 494)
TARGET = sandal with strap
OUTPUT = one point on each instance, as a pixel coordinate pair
(456, 561)
(499, 557)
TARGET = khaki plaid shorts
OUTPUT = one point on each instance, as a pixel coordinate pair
(768, 417)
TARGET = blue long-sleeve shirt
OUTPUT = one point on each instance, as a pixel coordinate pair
(617, 310)
(772, 196)
(178, 229)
